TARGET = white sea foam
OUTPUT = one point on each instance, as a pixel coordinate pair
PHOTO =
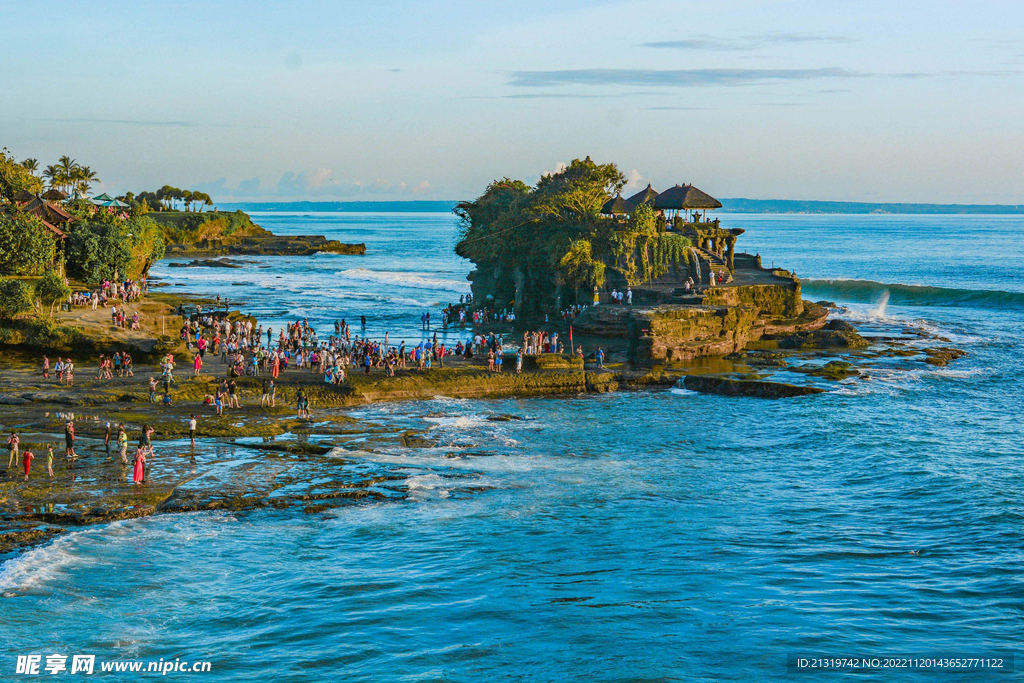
(680, 391)
(38, 568)
(404, 279)
(428, 484)
(458, 421)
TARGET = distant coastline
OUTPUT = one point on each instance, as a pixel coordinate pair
(735, 205)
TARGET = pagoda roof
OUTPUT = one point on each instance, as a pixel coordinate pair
(685, 197)
(645, 196)
(616, 205)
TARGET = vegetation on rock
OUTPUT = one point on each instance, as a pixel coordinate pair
(535, 246)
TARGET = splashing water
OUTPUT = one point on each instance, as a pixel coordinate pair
(879, 310)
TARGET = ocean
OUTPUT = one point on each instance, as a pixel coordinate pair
(641, 536)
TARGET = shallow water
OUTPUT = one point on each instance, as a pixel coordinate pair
(630, 536)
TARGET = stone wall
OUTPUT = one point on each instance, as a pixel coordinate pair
(781, 300)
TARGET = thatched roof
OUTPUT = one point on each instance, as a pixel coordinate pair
(54, 195)
(23, 197)
(616, 205)
(50, 213)
(685, 197)
(643, 196)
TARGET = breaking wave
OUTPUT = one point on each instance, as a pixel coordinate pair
(402, 279)
(868, 291)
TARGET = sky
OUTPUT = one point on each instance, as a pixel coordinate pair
(904, 101)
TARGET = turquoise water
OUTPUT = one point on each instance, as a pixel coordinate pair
(658, 535)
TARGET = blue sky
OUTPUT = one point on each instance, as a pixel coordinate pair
(394, 99)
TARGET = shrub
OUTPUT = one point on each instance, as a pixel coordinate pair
(26, 246)
(51, 290)
(15, 298)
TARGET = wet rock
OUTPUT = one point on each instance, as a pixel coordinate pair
(940, 357)
(207, 263)
(835, 334)
(738, 387)
(834, 370)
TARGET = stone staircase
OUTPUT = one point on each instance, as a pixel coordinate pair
(711, 261)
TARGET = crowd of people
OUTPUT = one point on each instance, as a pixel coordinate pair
(18, 457)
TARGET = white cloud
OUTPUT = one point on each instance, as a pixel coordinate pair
(634, 182)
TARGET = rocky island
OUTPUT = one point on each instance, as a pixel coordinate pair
(648, 290)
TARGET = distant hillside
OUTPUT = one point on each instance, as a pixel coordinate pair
(736, 205)
(384, 207)
(740, 205)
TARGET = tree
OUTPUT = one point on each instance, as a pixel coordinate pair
(186, 197)
(31, 165)
(15, 298)
(14, 177)
(579, 267)
(26, 245)
(83, 177)
(51, 290)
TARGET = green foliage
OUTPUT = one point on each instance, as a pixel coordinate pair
(68, 175)
(26, 245)
(98, 250)
(15, 177)
(518, 226)
(52, 289)
(15, 298)
(579, 268)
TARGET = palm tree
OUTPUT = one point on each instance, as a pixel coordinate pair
(83, 177)
(31, 165)
(57, 177)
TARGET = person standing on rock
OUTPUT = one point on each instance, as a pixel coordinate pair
(13, 441)
(192, 431)
(122, 444)
(139, 472)
(106, 441)
(599, 357)
(26, 458)
(49, 459)
(46, 368)
(69, 440)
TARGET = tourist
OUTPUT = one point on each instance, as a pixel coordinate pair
(27, 460)
(218, 400)
(302, 404)
(629, 296)
(46, 368)
(192, 431)
(49, 460)
(139, 466)
(197, 364)
(152, 389)
(12, 450)
(599, 357)
(519, 361)
(69, 440)
(233, 395)
(106, 441)
(122, 444)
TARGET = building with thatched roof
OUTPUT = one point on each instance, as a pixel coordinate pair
(616, 206)
(645, 196)
(685, 197)
(54, 195)
(51, 214)
(23, 197)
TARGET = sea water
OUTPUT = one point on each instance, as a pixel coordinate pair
(653, 535)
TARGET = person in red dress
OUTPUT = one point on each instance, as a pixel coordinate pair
(140, 463)
(26, 458)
